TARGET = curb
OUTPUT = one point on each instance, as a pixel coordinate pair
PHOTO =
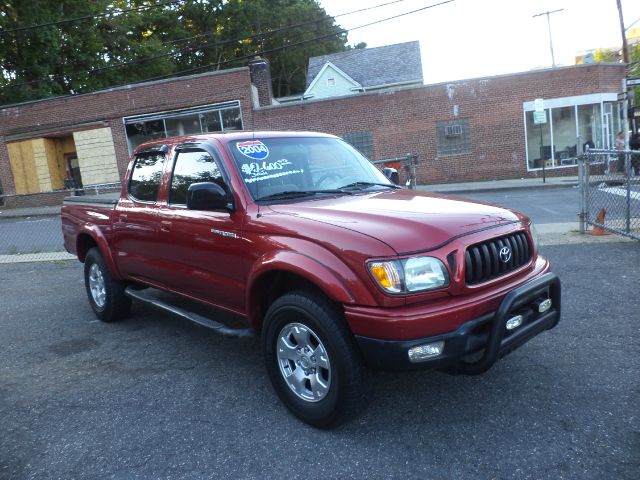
(444, 189)
(37, 257)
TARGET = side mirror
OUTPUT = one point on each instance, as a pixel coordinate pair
(207, 196)
(391, 174)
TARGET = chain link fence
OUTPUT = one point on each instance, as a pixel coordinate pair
(31, 233)
(610, 192)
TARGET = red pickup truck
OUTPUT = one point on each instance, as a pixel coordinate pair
(310, 247)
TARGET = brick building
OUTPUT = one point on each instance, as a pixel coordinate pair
(464, 130)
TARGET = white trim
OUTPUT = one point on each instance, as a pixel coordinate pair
(146, 117)
(337, 70)
(570, 101)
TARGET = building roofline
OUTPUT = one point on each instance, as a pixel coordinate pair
(530, 72)
(449, 82)
(129, 86)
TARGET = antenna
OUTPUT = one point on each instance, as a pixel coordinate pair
(547, 13)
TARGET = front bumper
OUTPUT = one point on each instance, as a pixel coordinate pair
(485, 337)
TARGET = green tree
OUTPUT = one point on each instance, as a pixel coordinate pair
(228, 33)
(62, 57)
(634, 68)
(103, 50)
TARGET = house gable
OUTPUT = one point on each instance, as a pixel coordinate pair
(331, 82)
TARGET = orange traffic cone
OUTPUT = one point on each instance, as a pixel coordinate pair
(600, 220)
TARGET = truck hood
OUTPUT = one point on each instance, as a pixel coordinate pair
(406, 220)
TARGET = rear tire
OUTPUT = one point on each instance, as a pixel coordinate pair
(106, 295)
(312, 360)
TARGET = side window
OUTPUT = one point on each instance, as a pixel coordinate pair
(192, 166)
(145, 177)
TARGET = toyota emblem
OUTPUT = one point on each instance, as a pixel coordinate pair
(505, 254)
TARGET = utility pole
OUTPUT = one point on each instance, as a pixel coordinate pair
(625, 50)
(625, 89)
(547, 13)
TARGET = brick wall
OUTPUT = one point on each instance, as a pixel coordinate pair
(404, 121)
(42, 118)
(401, 121)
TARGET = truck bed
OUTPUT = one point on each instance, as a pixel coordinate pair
(106, 199)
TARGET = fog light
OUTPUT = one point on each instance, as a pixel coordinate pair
(544, 305)
(514, 322)
(425, 352)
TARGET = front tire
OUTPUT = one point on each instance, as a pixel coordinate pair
(106, 295)
(312, 360)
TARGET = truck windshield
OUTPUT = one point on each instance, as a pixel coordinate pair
(303, 166)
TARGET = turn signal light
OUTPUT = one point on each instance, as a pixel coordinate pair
(514, 322)
(426, 352)
(544, 305)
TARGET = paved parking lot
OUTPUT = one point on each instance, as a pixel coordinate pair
(157, 397)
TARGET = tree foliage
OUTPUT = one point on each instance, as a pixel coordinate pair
(116, 42)
(634, 68)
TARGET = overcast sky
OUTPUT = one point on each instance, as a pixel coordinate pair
(476, 38)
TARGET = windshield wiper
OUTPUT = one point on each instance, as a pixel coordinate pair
(363, 185)
(301, 193)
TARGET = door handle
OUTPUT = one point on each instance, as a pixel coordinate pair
(122, 217)
(165, 226)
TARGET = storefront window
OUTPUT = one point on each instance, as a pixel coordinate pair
(140, 132)
(231, 119)
(571, 125)
(564, 136)
(211, 122)
(589, 126)
(538, 141)
(184, 125)
(214, 118)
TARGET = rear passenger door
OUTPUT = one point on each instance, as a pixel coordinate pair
(202, 247)
(135, 222)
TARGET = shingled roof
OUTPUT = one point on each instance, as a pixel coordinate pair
(373, 67)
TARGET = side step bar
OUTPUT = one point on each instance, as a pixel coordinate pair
(144, 297)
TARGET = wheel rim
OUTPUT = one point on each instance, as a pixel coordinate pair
(304, 363)
(96, 285)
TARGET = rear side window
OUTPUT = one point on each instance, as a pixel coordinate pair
(145, 177)
(192, 166)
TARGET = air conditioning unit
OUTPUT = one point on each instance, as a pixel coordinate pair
(453, 130)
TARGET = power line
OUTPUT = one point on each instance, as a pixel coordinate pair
(292, 45)
(237, 59)
(196, 47)
(289, 27)
(88, 17)
(205, 45)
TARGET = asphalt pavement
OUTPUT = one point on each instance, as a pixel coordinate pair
(156, 397)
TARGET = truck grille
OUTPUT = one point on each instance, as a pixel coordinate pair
(483, 260)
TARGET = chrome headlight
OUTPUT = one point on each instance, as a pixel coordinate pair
(415, 274)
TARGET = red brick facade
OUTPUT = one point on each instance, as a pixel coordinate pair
(404, 121)
(66, 114)
(400, 121)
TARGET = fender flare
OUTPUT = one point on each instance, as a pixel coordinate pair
(98, 237)
(299, 264)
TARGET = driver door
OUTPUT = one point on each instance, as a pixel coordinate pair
(203, 249)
